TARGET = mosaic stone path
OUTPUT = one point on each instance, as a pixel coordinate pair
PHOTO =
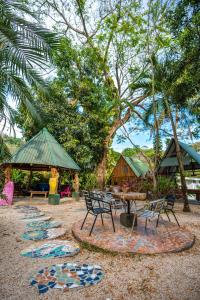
(45, 218)
(52, 249)
(24, 207)
(43, 234)
(33, 215)
(39, 225)
(167, 237)
(28, 210)
(66, 276)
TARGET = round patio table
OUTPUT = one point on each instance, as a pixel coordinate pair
(126, 219)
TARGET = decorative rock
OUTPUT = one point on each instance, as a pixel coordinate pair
(52, 249)
(24, 207)
(66, 276)
(45, 218)
(28, 211)
(33, 215)
(40, 225)
(43, 234)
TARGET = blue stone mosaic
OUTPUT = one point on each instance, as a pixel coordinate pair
(37, 235)
(52, 249)
(39, 225)
(66, 276)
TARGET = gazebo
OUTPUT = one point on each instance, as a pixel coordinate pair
(42, 153)
(169, 162)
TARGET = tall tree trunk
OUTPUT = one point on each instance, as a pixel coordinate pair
(186, 207)
(101, 168)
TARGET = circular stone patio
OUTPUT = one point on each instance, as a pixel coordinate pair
(167, 237)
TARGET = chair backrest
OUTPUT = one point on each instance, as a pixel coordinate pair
(157, 205)
(89, 203)
(95, 195)
(108, 196)
(170, 199)
(85, 193)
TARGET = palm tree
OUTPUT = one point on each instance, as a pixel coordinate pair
(172, 93)
(25, 49)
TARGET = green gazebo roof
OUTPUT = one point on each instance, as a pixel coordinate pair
(137, 166)
(42, 152)
(169, 163)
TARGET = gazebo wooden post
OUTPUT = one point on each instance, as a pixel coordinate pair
(30, 179)
(7, 172)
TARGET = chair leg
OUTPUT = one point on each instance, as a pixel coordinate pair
(84, 221)
(102, 219)
(134, 218)
(175, 217)
(167, 216)
(112, 221)
(93, 225)
(158, 220)
(146, 223)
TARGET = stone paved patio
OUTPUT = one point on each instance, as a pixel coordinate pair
(167, 237)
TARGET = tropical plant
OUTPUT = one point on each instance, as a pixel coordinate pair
(25, 49)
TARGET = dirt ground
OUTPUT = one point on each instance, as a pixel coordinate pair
(164, 276)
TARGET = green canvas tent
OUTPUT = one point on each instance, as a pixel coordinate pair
(41, 153)
(169, 162)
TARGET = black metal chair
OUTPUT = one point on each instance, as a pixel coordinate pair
(116, 204)
(95, 211)
(169, 207)
(150, 211)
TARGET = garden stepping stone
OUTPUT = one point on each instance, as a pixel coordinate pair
(39, 225)
(43, 234)
(24, 207)
(52, 249)
(28, 211)
(66, 276)
(33, 215)
(45, 218)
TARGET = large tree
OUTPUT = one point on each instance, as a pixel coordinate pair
(102, 60)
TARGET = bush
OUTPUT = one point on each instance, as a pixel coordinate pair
(165, 185)
(88, 181)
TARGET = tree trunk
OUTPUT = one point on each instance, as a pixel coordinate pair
(186, 207)
(101, 168)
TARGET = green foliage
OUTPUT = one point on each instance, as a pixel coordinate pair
(4, 150)
(136, 152)
(22, 178)
(25, 47)
(165, 185)
(79, 132)
(88, 181)
(113, 157)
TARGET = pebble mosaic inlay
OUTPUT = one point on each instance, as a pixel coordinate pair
(52, 249)
(66, 276)
(24, 207)
(43, 234)
(28, 210)
(33, 215)
(167, 237)
(45, 218)
(39, 225)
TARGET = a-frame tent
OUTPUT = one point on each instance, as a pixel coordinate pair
(169, 162)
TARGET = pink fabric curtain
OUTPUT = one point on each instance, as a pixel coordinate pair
(8, 191)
